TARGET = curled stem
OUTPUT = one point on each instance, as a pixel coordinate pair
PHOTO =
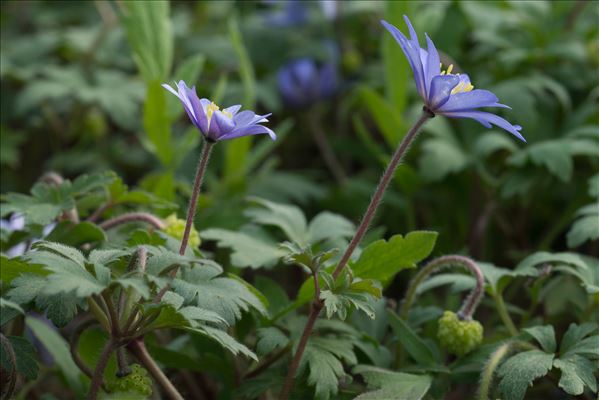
(97, 377)
(470, 303)
(74, 341)
(133, 217)
(493, 362)
(138, 348)
(317, 304)
(8, 390)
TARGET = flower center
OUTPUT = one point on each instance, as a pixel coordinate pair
(462, 87)
(212, 108)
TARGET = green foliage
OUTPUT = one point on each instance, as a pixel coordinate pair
(25, 356)
(417, 348)
(382, 259)
(518, 373)
(390, 385)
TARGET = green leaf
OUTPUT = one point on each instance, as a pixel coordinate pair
(329, 226)
(519, 372)
(225, 296)
(384, 114)
(577, 372)
(269, 339)
(455, 159)
(59, 349)
(552, 154)
(10, 268)
(150, 36)
(411, 342)
(225, 340)
(381, 260)
(391, 385)
(575, 334)
(490, 142)
(25, 355)
(9, 311)
(157, 123)
(248, 251)
(545, 335)
(75, 235)
(290, 219)
(586, 227)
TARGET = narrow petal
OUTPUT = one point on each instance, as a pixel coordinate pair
(248, 131)
(486, 119)
(247, 117)
(412, 53)
(198, 109)
(220, 125)
(170, 89)
(413, 35)
(233, 109)
(432, 67)
(440, 91)
(465, 101)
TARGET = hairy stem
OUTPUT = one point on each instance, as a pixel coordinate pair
(494, 361)
(470, 303)
(148, 218)
(97, 311)
(504, 315)
(139, 350)
(127, 299)
(380, 190)
(193, 202)
(317, 304)
(324, 148)
(99, 371)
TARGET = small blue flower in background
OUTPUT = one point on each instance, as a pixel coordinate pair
(216, 124)
(445, 93)
(302, 82)
(291, 13)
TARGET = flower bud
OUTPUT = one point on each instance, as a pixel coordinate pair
(457, 336)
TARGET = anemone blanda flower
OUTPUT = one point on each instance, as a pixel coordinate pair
(445, 93)
(216, 124)
(301, 82)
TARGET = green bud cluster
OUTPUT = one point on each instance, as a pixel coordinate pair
(457, 336)
(175, 227)
(137, 381)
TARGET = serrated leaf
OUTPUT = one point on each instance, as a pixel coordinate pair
(25, 356)
(391, 385)
(577, 372)
(248, 251)
(329, 226)
(382, 259)
(575, 334)
(290, 219)
(59, 349)
(136, 283)
(225, 296)
(586, 227)
(11, 268)
(519, 372)
(545, 335)
(76, 234)
(269, 339)
(454, 158)
(225, 340)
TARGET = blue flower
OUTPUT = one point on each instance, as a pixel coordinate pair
(216, 124)
(445, 93)
(302, 83)
(291, 13)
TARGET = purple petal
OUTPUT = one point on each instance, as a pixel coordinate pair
(486, 119)
(465, 101)
(248, 131)
(413, 35)
(432, 66)
(233, 109)
(220, 125)
(412, 53)
(328, 80)
(440, 91)
(247, 117)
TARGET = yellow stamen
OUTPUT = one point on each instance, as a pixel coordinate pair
(449, 69)
(212, 108)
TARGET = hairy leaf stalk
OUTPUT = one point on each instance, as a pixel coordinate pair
(148, 218)
(470, 303)
(317, 304)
